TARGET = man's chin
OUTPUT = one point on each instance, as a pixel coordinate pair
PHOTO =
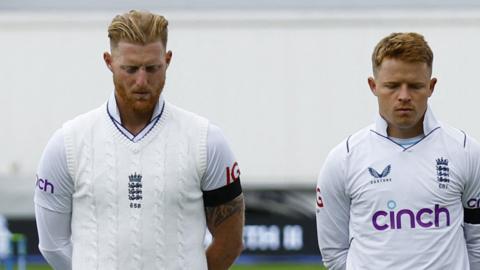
(141, 106)
(404, 125)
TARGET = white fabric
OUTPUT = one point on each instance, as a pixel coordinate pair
(53, 170)
(4, 238)
(370, 186)
(219, 157)
(158, 225)
(409, 141)
(53, 167)
(54, 241)
(115, 114)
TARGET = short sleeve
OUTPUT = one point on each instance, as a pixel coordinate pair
(471, 195)
(471, 203)
(221, 182)
(54, 185)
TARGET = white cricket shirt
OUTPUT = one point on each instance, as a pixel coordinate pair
(381, 205)
(55, 186)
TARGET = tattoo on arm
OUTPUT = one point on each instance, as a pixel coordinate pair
(216, 215)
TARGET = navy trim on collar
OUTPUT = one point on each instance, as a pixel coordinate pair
(348, 147)
(464, 138)
(118, 124)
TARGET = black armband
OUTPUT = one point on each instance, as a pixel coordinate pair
(471, 216)
(216, 197)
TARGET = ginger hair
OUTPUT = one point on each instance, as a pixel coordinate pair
(408, 47)
(138, 27)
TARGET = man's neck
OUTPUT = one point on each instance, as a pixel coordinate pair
(134, 121)
(405, 134)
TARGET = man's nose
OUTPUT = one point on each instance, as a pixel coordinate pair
(404, 93)
(141, 78)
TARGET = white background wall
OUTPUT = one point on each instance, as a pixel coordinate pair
(284, 86)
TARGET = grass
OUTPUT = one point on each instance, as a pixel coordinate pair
(278, 267)
(238, 267)
(31, 267)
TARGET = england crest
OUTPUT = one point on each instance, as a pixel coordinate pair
(135, 190)
(443, 173)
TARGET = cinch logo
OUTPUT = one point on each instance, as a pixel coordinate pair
(474, 203)
(383, 220)
(44, 185)
(233, 174)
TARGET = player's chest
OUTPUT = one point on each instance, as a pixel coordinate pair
(158, 174)
(421, 176)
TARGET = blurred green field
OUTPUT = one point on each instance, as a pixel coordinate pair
(238, 267)
(278, 267)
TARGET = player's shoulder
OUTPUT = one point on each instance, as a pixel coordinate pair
(218, 145)
(356, 139)
(350, 143)
(454, 137)
(173, 111)
(215, 135)
(86, 118)
(462, 139)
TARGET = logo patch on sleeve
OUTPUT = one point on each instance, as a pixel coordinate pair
(45, 185)
(319, 199)
(233, 173)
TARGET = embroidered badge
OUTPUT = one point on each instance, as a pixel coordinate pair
(443, 173)
(380, 177)
(135, 190)
(384, 173)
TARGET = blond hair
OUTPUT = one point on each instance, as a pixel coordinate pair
(408, 47)
(139, 27)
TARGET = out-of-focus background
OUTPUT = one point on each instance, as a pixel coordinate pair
(285, 80)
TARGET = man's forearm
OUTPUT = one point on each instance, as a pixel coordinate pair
(221, 254)
(225, 222)
(472, 237)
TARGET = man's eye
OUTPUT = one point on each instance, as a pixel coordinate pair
(416, 86)
(130, 69)
(391, 86)
(152, 69)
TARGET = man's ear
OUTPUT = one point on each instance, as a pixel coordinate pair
(107, 57)
(373, 85)
(433, 82)
(168, 57)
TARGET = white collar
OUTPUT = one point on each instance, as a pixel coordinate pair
(429, 123)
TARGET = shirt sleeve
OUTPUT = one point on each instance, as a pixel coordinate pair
(54, 185)
(5, 235)
(333, 211)
(471, 203)
(54, 237)
(221, 182)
